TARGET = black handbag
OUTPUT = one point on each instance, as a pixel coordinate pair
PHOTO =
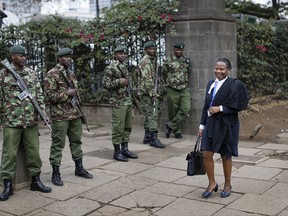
(195, 160)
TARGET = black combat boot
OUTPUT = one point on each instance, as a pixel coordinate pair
(178, 136)
(155, 142)
(37, 185)
(80, 171)
(147, 137)
(168, 130)
(118, 154)
(8, 190)
(56, 176)
(125, 151)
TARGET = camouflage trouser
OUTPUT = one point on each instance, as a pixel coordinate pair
(121, 124)
(12, 137)
(178, 102)
(71, 128)
(150, 113)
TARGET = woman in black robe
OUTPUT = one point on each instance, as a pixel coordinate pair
(219, 127)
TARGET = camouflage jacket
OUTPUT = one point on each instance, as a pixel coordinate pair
(176, 72)
(13, 111)
(148, 67)
(119, 94)
(55, 86)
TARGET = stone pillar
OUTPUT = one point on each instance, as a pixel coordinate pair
(209, 34)
(22, 178)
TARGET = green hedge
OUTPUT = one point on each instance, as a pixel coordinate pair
(263, 57)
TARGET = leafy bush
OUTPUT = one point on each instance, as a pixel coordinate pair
(263, 56)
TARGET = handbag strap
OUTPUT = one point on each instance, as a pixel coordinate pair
(197, 145)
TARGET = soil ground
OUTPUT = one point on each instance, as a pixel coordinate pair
(272, 115)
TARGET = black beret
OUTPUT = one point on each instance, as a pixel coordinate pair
(120, 49)
(64, 52)
(18, 49)
(179, 45)
(149, 44)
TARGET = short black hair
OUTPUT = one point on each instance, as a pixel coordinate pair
(227, 62)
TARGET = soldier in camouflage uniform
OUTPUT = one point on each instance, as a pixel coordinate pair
(176, 69)
(66, 118)
(150, 96)
(117, 81)
(19, 120)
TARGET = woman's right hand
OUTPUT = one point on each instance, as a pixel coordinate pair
(200, 132)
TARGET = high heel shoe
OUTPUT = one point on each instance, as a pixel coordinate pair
(225, 194)
(207, 193)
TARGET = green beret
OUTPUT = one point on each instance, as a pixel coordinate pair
(149, 44)
(179, 45)
(18, 49)
(120, 49)
(64, 52)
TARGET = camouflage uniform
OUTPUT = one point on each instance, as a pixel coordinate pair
(178, 92)
(19, 120)
(148, 69)
(66, 119)
(117, 81)
(121, 101)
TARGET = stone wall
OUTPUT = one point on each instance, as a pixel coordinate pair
(209, 34)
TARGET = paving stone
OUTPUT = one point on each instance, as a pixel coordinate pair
(133, 213)
(136, 182)
(249, 144)
(24, 201)
(5, 214)
(214, 198)
(67, 191)
(99, 178)
(279, 192)
(260, 204)
(248, 151)
(186, 207)
(255, 186)
(106, 193)
(158, 174)
(143, 199)
(274, 146)
(275, 163)
(131, 167)
(198, 180)
(169, 189)
(163, 174)
(42, 212)
(226, 212)
(174, 162)
(107, 210)
(256, 172)
(282, 177)
(73, 207)
(283, 135)
(250, 159)
(284, 212)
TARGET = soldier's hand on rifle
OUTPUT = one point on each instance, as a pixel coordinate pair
(123, 81)
(70, 92)
(47, 121)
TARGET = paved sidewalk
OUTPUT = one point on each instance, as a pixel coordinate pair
(156, 183)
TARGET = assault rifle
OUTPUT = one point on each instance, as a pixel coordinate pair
(156, 88)
(74, 101)
(130, 91)
(25, 92)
